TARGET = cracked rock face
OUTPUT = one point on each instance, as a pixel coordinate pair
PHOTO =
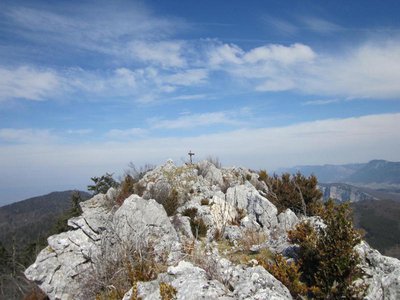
(382, 273)
(191, 282)
(248, 198)
(69, 255)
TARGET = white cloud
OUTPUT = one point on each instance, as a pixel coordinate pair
(371, 70)
(27, 83)
(295, 53)
(223, 54)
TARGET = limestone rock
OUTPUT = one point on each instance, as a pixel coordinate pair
(248, 198)
(382, 273)
(144, 221)
(222, 212)
(211, 173)
(230, 200)
(257, 283)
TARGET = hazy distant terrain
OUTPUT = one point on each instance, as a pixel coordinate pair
(374, 190)
(26, 220)
(377, 179)
(381, 222)
(24, 228)
(375, 172)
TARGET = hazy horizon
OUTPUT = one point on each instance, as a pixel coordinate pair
(10, 196)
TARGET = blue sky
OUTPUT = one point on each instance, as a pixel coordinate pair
(88, 86)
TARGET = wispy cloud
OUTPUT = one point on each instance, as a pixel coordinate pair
(367, 71)
(107, 28)
(126, 134)
(27, 83)
(191, 97)
(164, 53)
(319, 25)
(280, 25)
(188, 77)
(79, 132)
(26, 136)
(321, 102)
(297, 24)
(196, 120)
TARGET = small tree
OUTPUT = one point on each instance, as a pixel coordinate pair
(75, 210)
(328, 261)
(102, 184)
(297, 192)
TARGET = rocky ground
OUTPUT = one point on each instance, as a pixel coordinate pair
(207, 249)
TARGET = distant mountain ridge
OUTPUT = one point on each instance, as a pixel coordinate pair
(29, 218)
(374, 172)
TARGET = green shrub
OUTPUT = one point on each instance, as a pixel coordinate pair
(297, 192)
(199, 228)
(327, 259)
(102, 184)
(61, 224)
(286, 272)
(171, 203)
(127, 188)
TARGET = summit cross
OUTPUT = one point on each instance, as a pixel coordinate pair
(191, 154)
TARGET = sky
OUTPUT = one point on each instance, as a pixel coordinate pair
(88, 86)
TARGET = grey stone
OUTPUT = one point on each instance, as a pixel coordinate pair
(257, 283)
(382, 273)
(143, 221)
(248, 198)
(211, 173)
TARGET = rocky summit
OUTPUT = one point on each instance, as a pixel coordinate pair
(187, 232)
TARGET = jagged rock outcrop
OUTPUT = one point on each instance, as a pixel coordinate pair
(382, 273)
(59, 268)
(230, 202)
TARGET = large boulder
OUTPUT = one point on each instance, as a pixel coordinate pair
(248, 198)
(70, 256)
(211, 173)
(189, 281)
(144, 221)
(382, 273)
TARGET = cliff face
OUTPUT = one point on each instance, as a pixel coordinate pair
(187, 254)
(343, 192)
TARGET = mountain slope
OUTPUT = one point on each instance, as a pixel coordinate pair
(325, 173)
(377, 171)
(26, 220)
(381, 222)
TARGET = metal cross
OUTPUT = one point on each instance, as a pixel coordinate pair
(190, 154)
